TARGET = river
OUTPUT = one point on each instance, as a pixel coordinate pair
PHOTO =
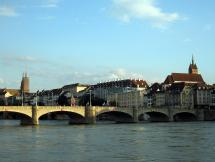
(55, 141)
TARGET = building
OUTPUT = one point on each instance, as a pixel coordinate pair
(159, 99)
(180, 95)
(202, 95)
(192, 77)
(103, 90)
(49, 97)
(74, 89)
(128, 99)
(156, 96)
(8, 95)
(212, 97)
(25, 84)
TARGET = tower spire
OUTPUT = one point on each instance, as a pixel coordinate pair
(193, 69)
(193, 60)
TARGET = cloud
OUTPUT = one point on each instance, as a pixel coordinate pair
(50, 4)
(8, 11)
(25, 59)
(1, 81)
(121, 73)
(20, 59)
(46, 18)
(146, 10)
(53, 74)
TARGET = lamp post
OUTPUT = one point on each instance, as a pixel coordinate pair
(22, 99)
(36, 100)
(90, 98)
(52, 100)
(116, 95)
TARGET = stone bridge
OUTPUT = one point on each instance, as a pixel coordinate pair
(88, 115)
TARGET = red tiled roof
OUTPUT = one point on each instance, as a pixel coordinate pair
(182, 77)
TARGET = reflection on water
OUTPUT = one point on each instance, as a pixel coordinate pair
(56, 141)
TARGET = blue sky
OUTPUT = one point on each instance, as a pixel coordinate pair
(67, 41)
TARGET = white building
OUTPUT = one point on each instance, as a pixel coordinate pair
(128, 99)
(212, 98)
(202, 96)
(103, 90)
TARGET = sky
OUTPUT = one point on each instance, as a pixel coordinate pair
(60, 42)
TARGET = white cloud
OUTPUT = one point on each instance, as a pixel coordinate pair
(121, 73)
(126, 10)
(25, 59)
(21, 59)
(8, 11)
(46, 18)
(50, 3)
(1, 81)
(71, 76)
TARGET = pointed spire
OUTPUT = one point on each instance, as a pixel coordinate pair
(193, 60)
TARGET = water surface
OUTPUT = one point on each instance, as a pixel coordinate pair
(55, 141)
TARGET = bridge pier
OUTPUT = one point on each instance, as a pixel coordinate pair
(200, 115)
(170, 115)
(90, 115)
(135, 115)
(31, 121)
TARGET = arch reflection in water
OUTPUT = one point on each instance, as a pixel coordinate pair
(7, 115)
(185, 116)
(154, 117)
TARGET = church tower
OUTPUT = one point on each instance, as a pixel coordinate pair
(193, 69)
(25, 84)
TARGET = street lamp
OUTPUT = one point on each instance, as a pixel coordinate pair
(116, 95)
(52, 100)
(90, 98)
(36, 100)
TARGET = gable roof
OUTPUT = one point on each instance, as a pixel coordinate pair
(13, 92)
(183, 77)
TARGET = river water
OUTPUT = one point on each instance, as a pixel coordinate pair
(55, 141)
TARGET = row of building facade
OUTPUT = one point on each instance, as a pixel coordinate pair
(179, 90)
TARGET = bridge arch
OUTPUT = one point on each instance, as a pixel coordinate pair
(72, 117)
(69, 113)
(113, 115)
(184, 116)
(18, 113)
(41, 111)
(154, 116)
